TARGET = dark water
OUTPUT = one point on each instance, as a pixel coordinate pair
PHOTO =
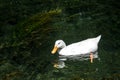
(29, 29)
(103, 68)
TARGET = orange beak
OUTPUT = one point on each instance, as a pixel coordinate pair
(54, 50)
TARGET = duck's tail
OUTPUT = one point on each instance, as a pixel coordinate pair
(98, 38)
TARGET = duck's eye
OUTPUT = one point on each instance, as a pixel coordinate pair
(59, 43)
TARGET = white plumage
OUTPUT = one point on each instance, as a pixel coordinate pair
(83, 47)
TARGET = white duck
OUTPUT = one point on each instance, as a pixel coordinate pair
(83, 47)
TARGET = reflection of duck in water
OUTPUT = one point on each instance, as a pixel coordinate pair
(83, 47)
(60, 64)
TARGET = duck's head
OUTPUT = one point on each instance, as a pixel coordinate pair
(59, 44)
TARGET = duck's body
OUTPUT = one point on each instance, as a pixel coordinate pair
(82, 47)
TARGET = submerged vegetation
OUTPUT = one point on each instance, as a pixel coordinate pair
(29, 28)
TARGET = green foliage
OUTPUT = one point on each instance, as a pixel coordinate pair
(38, 24)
